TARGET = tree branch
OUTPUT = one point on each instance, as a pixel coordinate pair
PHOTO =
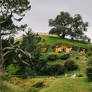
(7, 53)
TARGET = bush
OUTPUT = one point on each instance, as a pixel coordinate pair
(89, 53)
(52, 57)
(77, 58)
(39, 84)
(4, 76)
(89, 73)
(89, 63)
(64, 56)
(43, 58)
(56, 69)
(12, 69)
(80, 75)
(70, 65)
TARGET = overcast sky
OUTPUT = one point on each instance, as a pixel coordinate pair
(43, 10)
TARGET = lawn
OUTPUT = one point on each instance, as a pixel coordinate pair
(64, 84)
(69, 85)
(53, 40)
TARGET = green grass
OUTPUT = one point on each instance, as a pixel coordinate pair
(52, 41)
(64, 84)
(61, 83)
(69, 85)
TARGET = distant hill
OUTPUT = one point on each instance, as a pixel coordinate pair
(53, 40)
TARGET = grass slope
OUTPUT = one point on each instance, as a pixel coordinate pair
(69, 85)
(53, 40)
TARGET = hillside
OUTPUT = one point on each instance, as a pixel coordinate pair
(60, 83)
(53, 40)
(69, 85)
(50, 85)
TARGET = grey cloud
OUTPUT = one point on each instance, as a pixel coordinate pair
(42, 10)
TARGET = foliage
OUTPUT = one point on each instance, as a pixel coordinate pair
(77, 58)
(89, 63)
(52, 57)
(80, 75)
(12, 69)
(38, 84)
(70, 65)
(4, 77)
(64, 56)
(89, 73)
(56, 69)
(66, 25)
(34, 65)
(54, 40)
(10, 11)
(16, 80)
(89, 53)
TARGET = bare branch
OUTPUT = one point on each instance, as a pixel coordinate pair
(25, 52)
(9, 48)
(7, 53)
(5, 34)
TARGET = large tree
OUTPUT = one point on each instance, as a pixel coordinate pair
(35, 65)
(66, 25)
(78, 27)
(10, 11)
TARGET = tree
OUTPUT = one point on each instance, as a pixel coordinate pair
(30, 44)
(10, 11)
(61, 24)
(78, 28)
(66, 25)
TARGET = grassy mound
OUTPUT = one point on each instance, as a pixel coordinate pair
(53, 40)
(69, 85)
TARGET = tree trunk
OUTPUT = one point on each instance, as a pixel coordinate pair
(2, 69)
(72, 38)
(63, 35)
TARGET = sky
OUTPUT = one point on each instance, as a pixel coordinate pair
(43, 10)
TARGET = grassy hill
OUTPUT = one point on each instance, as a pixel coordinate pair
(58, 83)
(53, 40)
(50, 85)
(69, 85)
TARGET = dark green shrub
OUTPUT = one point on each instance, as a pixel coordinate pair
(56, 69)
(90, 49)
(38, 84)
(75, 48)
(77, 58)
(70, 65)
(89, 53)
(12, 69)
(4, 77)
(89, 63)
(89, 73)
(80, 75)
(52, 57)
(43, 58)
(64, 56)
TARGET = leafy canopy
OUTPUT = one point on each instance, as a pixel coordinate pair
(66, 25)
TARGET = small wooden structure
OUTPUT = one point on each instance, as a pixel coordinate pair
(43, 49)
(62, 49)
(81, 49)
